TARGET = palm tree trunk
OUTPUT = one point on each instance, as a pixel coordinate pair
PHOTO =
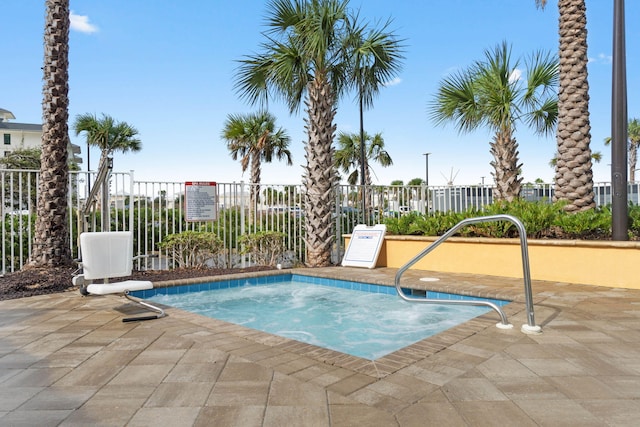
(255, 181)
(51, 239)
(366, 193)
(633, 160)
(506, 168)
(574, 175)
(363, 158)
(319, 173)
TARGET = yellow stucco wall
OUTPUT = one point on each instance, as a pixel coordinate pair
(612, 264)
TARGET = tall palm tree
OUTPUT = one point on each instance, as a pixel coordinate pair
(107, 134)
(490, 93)
(51, 239)
(633, 135)
(254, 139)
(377, 58)
(574, 173)
(347, 156)
(307, 56)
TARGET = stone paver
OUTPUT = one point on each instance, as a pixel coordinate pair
(68, 360)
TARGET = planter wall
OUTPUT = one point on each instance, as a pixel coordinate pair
(612, 264)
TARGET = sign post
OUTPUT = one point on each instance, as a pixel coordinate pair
(201, 201)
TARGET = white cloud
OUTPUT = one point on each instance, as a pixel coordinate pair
(393, 82)
(515, 75)
(601, 59)
(81, 23)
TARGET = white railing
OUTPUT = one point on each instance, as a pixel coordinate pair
(155, 209)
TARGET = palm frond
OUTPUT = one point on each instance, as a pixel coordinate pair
(107, 134)
(543, 120)
(542, 77)
(456, 101)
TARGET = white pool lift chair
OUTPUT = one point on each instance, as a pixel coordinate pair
(106, 255)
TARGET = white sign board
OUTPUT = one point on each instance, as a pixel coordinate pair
(201, 201)
(364, 246)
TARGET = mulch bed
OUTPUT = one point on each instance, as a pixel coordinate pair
(40, 281)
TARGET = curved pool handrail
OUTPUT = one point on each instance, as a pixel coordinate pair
(530, 327)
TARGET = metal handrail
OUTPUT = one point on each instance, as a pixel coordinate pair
(530, 327)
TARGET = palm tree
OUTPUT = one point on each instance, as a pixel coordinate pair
(376, 60)
(254, 139)
(633, 134)
(107, 134)
(574, 174)
(348, 156)
(490, 93)
(307, 56)
(51, 239)
(377, 57)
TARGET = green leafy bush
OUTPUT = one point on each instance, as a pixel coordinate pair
(417, 224)
(594, 222)
(634, 221)
(540, 219)
(193, 249)
(17, 231)
(264, 247)
(537, 217)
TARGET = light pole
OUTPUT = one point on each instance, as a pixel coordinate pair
(88, 168)
(426, 158)
(619, 178)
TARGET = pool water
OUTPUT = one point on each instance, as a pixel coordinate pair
(364, 324)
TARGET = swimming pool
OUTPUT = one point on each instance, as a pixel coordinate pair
(362, 320)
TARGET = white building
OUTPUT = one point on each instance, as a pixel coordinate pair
(16, 136)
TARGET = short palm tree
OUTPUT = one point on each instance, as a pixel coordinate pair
(347, 156)
(107, 134)
(574, 173)
(51, 238)
(253, 139)
(490, 93)
(307, 56)
(351, 153)
(633, 135)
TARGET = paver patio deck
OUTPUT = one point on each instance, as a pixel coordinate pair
(69, 360)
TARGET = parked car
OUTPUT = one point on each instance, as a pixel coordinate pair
(394, 214)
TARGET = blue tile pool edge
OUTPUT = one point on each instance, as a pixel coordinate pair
(270, 279)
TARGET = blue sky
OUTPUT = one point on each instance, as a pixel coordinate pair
(167, 68)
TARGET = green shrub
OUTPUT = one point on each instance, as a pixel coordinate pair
(540, 219)
(591, 223)
(17, 230)
(405, 224)
(634, 221)
(194, 249)
(264, 247)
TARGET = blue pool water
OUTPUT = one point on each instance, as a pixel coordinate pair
(363, 320)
